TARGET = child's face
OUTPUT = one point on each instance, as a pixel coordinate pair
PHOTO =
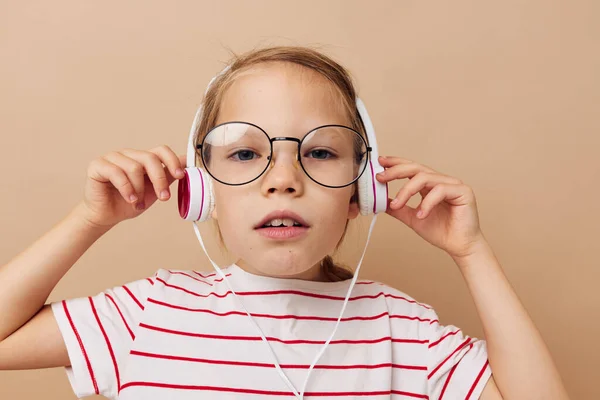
(284, 100)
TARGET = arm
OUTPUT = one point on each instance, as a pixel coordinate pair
(521, 363)
(447, 217)
(29, 335)
(116, 189)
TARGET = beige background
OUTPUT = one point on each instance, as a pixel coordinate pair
(504, 95)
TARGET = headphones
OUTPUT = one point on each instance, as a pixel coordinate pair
(195, 194)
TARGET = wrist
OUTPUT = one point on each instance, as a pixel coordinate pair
(80, 217)
(479, 250)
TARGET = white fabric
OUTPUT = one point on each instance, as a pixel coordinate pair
(193, 341)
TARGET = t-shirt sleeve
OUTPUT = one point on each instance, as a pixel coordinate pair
(98, 332)
(457, 365)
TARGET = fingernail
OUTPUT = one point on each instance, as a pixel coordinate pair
(140, 205)
(179, 172)
(132, 198)
(420, 214)
(395, 202)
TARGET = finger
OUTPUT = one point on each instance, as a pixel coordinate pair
(133, 169)
(104, 171)
(423, 182)
(171, 161)
(154, 169)
(391, 160)
(183, 160)
(405, 214)
(400, 171)
(442, 192)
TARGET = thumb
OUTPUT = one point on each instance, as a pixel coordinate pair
(405, 214)
(183, 160)
(182, 164)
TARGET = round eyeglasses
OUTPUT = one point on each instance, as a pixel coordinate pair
(237, 153)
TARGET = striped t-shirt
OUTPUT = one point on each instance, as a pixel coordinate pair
(182, 335)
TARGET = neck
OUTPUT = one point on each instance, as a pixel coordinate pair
(314, 273)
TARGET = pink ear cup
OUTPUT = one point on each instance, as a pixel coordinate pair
(195, 195)
(183, 196)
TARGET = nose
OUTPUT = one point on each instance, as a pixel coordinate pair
(284, 173)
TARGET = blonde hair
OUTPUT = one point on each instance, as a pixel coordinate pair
(337, 75)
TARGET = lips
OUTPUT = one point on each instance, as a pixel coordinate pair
(281, 214)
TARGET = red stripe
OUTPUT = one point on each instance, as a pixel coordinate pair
(394, 340)
(110, 349)
(133, 297)
(204, 276)
(447, 381)
(221, 279)
(150, 280)
(210, 275)
(273, 393)
(289, 316)
(463, 344)
(85, 356)
(122, 317)
(267, 365)
(258, 338)
(296, 292)
(416, 395)
(443, 337)
(189, 276)
(477, 379)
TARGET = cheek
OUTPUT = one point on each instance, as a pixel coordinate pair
(338, 202)
(229, 210)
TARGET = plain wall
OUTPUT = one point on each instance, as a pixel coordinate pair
(503, 95)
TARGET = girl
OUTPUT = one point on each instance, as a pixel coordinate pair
(184, 335)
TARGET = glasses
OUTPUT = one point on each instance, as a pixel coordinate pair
(237, 153)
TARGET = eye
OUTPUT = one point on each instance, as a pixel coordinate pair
(244, 155)
(320, 154)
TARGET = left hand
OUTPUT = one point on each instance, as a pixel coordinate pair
(450, 219)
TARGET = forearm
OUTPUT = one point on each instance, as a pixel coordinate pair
(520, 361)
(27, 280)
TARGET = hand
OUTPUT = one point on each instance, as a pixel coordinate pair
(449, 217)
(123, 184)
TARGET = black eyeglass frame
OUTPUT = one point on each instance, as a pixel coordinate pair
(283, 138)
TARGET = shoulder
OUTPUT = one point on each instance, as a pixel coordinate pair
(395, 298)
(189, 281)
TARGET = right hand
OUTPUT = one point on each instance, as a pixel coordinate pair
(114, 178)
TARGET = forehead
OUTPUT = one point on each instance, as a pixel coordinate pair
(283, 99)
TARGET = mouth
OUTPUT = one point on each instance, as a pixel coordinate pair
(282, 225)
(281, 219)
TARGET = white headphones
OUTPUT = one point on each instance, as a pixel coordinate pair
(195, 195)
